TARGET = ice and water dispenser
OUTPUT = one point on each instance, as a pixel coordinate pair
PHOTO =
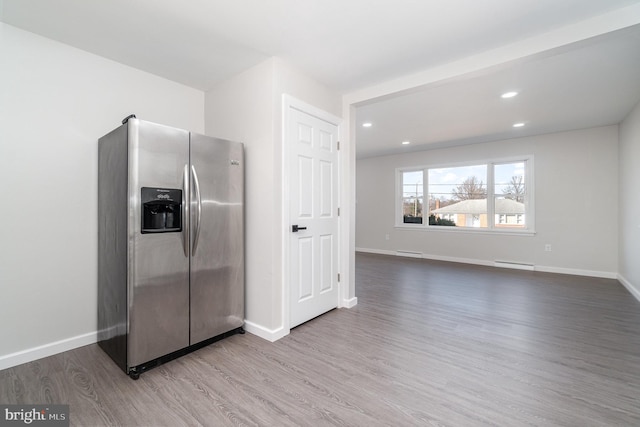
(161, 210)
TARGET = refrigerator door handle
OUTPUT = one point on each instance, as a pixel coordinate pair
(185, 210)
(196, 189)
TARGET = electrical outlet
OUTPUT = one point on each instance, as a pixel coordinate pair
(386, 237)
(547, 247)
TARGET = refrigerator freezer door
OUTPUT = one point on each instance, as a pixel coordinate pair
(217, 266)
(158, 280)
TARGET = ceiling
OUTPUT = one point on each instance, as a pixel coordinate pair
(592, 83)
(352, 44)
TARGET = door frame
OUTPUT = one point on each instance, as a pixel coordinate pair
(289, 102)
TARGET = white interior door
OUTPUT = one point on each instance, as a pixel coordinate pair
(313, 173)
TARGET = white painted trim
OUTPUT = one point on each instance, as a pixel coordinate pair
(469, 230)
(270, 335)
(541, 268)
(348, 201)
(458, 260)
(349, 303)
(411, 254)
(286, 218)
(289, 102)
(577, 272)
(45, 350)
(375, 251)
(50, 349)
(635, 291)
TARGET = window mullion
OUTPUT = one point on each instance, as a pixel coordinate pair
(491, 198)
(426, 198)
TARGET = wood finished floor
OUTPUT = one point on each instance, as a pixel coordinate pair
(429, 343)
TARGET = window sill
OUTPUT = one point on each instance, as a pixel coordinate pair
(468, 230)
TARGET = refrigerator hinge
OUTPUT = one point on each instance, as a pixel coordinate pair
(338, 277)
(338, 145)
(338, 211)
(126, 119)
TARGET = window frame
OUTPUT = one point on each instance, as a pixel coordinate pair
(492, 227)
(400, 195)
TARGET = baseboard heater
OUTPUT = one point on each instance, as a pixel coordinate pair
(514, 265)
(409, 254)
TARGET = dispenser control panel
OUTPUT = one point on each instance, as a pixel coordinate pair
(161, 210)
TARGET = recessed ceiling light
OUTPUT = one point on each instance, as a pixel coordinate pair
(367, 125)
(518, 125)
(406, 142)
(509, 94)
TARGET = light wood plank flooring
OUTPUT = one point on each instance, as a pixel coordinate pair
(429, 343)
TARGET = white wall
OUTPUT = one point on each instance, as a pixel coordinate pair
(55, 102)
(629, 253)
(248, 108)
(576, 204)
(241, 109)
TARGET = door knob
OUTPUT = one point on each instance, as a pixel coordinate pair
(295, 228)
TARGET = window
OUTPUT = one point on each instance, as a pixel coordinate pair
(412, 197)
(509, 195)
(460, 192)
(490, 196)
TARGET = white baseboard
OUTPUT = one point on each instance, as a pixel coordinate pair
(635, 291)
(577, 272)
(375, 251)
(45, 350)
(349, 303)
(270, 335)
(35, 353)
(459, 260)
(546, 269)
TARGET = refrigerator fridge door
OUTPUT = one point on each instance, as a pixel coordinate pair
(217, 238)
(158, 282)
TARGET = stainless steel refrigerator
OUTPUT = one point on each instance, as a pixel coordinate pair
(171, 242)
